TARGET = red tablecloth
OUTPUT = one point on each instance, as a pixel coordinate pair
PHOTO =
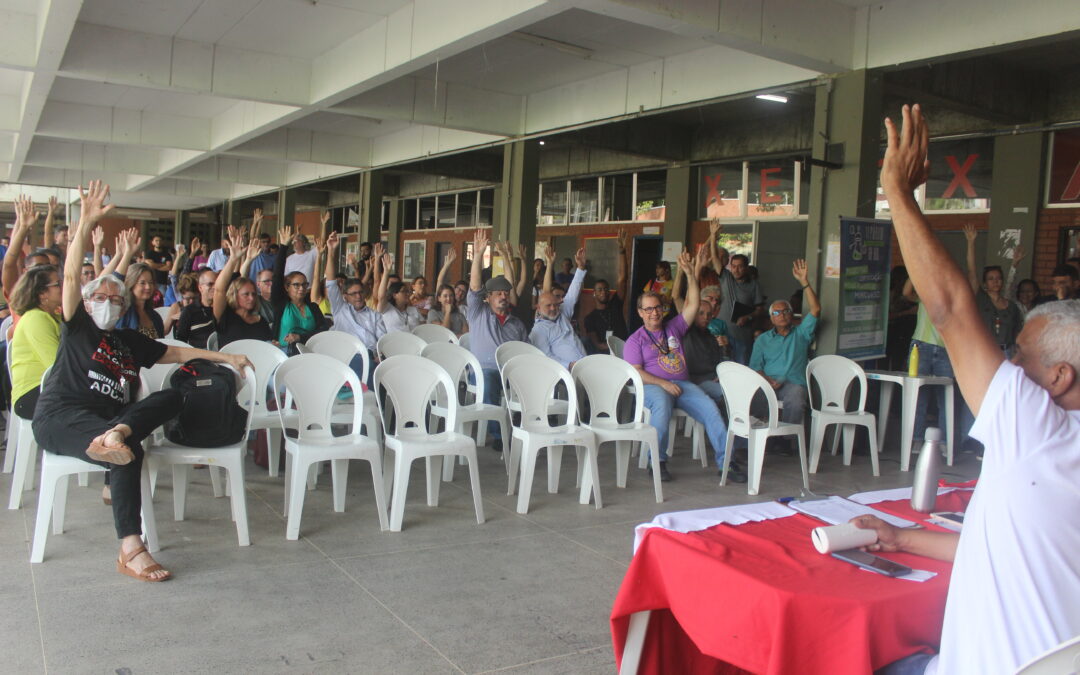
(759, 597)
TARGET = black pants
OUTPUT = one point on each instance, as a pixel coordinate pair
(26, 404)
(71, 433)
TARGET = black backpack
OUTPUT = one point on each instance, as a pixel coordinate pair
(209, 416)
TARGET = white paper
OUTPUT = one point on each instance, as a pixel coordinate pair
(914, 575)
(832, 260)
(876, 496)
(703, 519)
(841, 537)
(671, 252)
(836, 510)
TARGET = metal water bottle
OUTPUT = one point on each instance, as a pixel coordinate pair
(924, 487)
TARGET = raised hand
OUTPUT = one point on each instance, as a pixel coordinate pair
(320, 245)
(97, 236)
(1018, 255)
(256, 218)
(579, 258)
(93, 201)
(332, 242)
(253, 248)
(52, 205)
(284, 235)
(799, 271)
(196, 246)
(714, 227)
(522, 253)
(388, 263)
(324, 218)
(451, 256)
(905, 166)
(480, 242)
(624, 239)
(969, 233)
(25, 212)
(701, 260)
(378, 250)
(549, 254)
(685, 261)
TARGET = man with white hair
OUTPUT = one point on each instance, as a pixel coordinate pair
(1014, 592)
(780, 354)
(553, 333)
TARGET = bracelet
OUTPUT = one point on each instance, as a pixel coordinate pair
(806, 287)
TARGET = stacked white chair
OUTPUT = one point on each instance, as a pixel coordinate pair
(460, 363)
(406, 384)
(312, 382)
(230, 458)
(530, 381)
(606, 380)
(615, 345)
(740, 385)
(434, 332)
(464, 340)
(344, 347)
(399, 343)
(266, 358)
(834, 375)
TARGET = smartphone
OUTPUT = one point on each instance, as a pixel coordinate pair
(951, 517)
(871, 562)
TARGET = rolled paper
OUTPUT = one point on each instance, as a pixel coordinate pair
(841, 537)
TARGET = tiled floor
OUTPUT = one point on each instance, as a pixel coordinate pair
(518, 594)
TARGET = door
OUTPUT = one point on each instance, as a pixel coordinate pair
(776, 246)
(646, 253)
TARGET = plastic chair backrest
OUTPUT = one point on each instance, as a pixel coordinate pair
(302, 348)
(212, 342)
(834, 375)
(740, 384)
(173, 342)
(615, 345)
(312, 382)
(508, 350)
(163, 312)
(464, 340)
(1061, 660)
(531, 380)
(458, 362)
(406, 384)
(156, 377)
(604, 379)
(434, 332)
(7, 357)
(265, 357)
(341, 346)
(400, 343)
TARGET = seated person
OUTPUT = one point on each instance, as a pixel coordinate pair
(196, 322)
(348, 302)
(36, 299)
(781, 354)
(296, 318)
(140, 316)
(656, 351)
(608, 317)
(1013, 592)
(235, 303)
(83, 410)
(552, 332)
(704, 351)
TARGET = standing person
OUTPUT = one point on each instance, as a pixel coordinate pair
(196, 322)
(217, 258)
(234, 308)
(662, 284)
(1012, 593)
(159, 260)
(656, 351)
(742, 302)
(1027, 295)
(296, 318)
(264, 259)
(608, 318)
(304, 258)
(348, 301)
(566, 272)
(552, 333)
(1066, 282)
(83, 410)
(490, 324)
(1002, 316)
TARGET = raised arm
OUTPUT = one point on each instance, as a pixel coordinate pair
(693, 298)
(1011, 282)
(942, 288)
(50, 221)
(330, 273)
(120, 250)
(179, 260)
(98, 238)
(375, 265)
(277, 284)
(522, 270)
(714, 250)
(969, 257)
(133, 243)
(549, 269)
(507, 253)
(448, 262)
(224, 277)
(315, 294)
(25, 218)
(677, 287)
(93, 208)
(799, 271)
(476, 277)
(574, 292)
(382, 302)
(620, 268)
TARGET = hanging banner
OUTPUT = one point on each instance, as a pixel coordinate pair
(863, 316)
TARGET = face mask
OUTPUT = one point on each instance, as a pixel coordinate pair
(105, 314)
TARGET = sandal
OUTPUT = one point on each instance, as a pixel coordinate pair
(106, 496)
(118, 455)
(122, 567)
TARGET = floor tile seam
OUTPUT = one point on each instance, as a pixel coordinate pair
(621, 563)
(391, 612)
(546, 659)
(37, 602)
(434, 547)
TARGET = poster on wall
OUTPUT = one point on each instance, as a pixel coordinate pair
(865, 254)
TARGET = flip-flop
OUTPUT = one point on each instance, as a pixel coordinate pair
(122, 567)
(113, 455)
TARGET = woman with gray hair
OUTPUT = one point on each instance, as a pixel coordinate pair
(84, 408)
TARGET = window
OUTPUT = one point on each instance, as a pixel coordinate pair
(427, 213)
(959, 175)
(466, 209)
(486, 213)
(770, 188)
(584, 200)
(649, 195)
(553, 203)
(617, 200)
(447, 210)
(721, 191)
(409, 218)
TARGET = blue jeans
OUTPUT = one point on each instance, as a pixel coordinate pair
(741, 350)
(909, 665)
(492, 393)
(696, 403)
(934, 360)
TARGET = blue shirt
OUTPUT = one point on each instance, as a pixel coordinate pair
(263, 261)
(487, 333)
(784, 357)
(556, 338)
(218, 258)
(365, 323)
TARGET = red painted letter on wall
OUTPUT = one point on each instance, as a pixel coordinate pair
(713, 184)
(766, 183)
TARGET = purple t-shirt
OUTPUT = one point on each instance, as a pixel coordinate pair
(660, 353)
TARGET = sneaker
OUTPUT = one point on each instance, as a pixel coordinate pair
(736, 472)
(665, 475)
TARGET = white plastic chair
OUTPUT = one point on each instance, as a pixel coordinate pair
(464, 340)
(459, 363)
(740, 384)
(434, 332)
(230, 458)
(509, 350)
(20, 457)
(266, 358)
(163, 312)
(408, 383)
(531, 380)
(1061, 660)
(302, 348)
(399, 343)
(344, 347)
(615, 345)
(212, 342)
(312, 382)
(834, 375)
(606, 380)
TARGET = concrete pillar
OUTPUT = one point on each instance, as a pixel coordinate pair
(181, 227)
(517, 199)
(286, 208)
(233, 212)
(847, 121)
(678, 202)
(393, 233)
(371, 196)
(1015, 196)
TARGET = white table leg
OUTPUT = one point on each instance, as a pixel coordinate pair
(911, 400)
(884, 404)
(950, 435)
(635, 641)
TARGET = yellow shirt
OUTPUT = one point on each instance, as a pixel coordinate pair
(33, 350)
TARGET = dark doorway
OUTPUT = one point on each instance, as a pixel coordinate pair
(647, 250)
(441, 249)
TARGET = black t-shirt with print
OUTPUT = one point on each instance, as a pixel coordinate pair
(232, 328)
(157, 257)
(92, 366)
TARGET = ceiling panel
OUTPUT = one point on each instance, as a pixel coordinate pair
(299, 29)
(157, 17)
(348, 125)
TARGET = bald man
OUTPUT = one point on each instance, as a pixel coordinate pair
(552, 332)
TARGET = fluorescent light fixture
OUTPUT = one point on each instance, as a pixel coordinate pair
(777, 98)
(541, 142)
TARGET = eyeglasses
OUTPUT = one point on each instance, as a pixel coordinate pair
(117, 300)
(354, 293)
(654, 308)
(266, 281)
(55, 283)
(299, 285)
(188, 298)
(778, 312)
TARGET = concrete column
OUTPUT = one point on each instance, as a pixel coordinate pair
(181, 227)
(1015, 196)
(393, 233)
(847, 121)
(518, 197)
(678, 202)
(371, 196)
(286, 208)
(233, 212)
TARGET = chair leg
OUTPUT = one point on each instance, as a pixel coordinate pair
(339, 479)
(23, 452)
(273, 450)
(31, 459)
(60, 504)
(756, 460)
(474, 480)
(296, 475)
(591, 482)
(179, 487)
(238, 499)
(313, 475)
(527, 470)
(434, 466)
(579, 451)
(622, 462)
(288, 482)
(448, 465)
(402, 467)
(837, 428)
(215, 480)
(153, 465)
(513, 462)
(554, 461)
(377, 474)
(849, 442)
(817, 439)
(46, 501)
(727, 456)
(802, 460)
(658, 491)
(872, 431)
(149, 520)
(11, 441)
